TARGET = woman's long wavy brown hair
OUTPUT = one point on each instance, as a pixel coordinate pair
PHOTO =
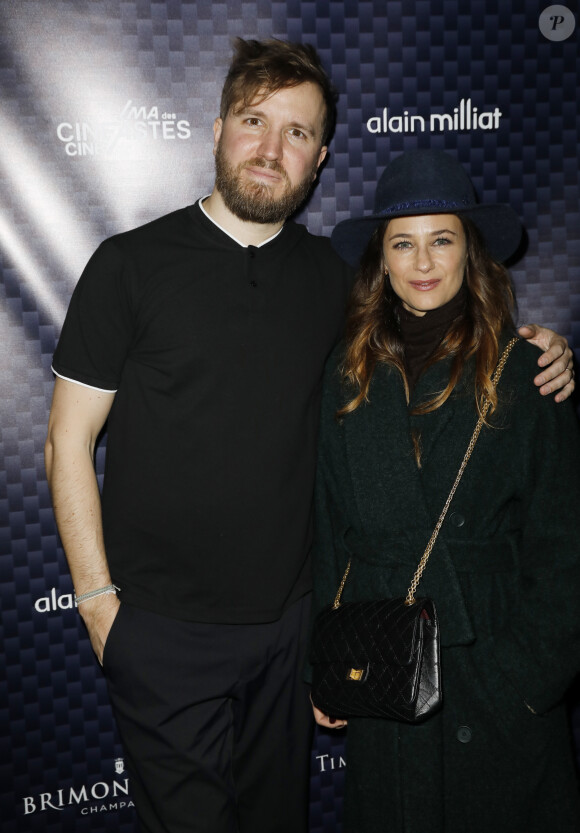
(372, 327)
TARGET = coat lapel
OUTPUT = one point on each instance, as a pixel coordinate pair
(381, 458)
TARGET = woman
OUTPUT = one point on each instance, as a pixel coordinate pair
(430, 315)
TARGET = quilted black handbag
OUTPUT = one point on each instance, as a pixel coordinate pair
(381, 658)
(377, 659)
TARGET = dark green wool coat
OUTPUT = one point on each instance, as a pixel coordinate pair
(505, 577)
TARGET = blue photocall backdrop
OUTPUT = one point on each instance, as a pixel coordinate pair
(106, 123)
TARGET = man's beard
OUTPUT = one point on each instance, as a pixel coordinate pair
(253, 201)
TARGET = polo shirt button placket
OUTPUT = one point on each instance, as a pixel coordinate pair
(251, 255)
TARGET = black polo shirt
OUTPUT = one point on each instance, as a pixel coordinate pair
(215, 351)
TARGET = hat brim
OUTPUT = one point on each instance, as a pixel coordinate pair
(499, 225)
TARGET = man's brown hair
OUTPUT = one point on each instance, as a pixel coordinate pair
(261, 68)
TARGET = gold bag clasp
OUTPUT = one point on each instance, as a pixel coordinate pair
(355, 674)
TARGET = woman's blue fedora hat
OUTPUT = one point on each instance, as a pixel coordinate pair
(429, 182)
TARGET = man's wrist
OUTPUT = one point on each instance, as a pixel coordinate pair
(107, 589)
(92, 609)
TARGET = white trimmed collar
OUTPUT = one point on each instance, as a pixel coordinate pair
(225, 231)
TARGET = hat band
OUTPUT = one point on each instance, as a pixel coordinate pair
(420, 205)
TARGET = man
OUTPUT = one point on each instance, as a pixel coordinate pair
(201, 338)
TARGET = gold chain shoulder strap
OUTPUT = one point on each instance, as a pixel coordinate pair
(410, 598)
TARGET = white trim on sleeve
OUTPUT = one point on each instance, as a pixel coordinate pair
(82, 384)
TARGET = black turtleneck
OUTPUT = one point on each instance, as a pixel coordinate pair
(422, 334)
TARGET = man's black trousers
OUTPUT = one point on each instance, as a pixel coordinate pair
(215, 721)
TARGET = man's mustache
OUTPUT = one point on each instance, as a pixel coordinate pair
(260, 162)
